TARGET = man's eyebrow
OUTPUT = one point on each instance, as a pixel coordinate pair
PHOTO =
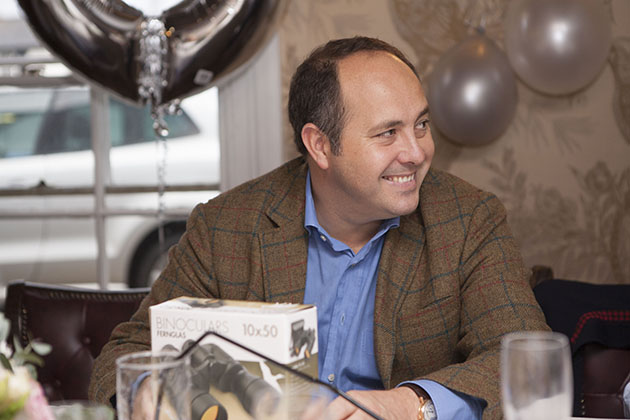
(422, 113)
(385, 125)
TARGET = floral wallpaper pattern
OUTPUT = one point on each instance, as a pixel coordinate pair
(586, 235)
(562, 168)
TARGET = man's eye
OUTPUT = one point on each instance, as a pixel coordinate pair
(422, 125)
(388, 133)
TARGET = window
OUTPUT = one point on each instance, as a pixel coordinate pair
(67, 124)
(18, 133)
(21, 116)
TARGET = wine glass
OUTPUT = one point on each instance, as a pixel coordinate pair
(536, 376)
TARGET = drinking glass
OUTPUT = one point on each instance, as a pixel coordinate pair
(536, 376)
(153, 385)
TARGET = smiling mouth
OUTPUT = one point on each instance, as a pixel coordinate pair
(399, 179)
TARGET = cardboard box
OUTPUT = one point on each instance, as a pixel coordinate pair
(286, 333)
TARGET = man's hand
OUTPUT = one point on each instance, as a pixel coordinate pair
(143, 407)
(399, 404)
(144, 403)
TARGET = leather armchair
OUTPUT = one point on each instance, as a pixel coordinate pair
(596, 318)
(77, 323)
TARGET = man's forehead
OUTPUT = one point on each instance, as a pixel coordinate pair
(377, 86)
(367, 54)
(361, 58)
(370, 70)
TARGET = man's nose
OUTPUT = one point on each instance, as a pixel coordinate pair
(410, 150)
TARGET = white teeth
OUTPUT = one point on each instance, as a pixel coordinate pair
(401, 179)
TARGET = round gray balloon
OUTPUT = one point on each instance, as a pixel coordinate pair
(472, 92)
(557, 46)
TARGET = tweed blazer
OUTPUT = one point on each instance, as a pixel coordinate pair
(450, 280)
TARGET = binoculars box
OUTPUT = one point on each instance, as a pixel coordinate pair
(232, 382)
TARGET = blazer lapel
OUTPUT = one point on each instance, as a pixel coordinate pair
(284, 248)
(284, 255)
(399, 262)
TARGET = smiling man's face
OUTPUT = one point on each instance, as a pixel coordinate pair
(386, 142)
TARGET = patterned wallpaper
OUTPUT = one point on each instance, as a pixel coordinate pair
(562, 168)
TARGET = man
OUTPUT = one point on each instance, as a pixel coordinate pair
(414, 272)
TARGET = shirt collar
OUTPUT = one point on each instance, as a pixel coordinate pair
(310, 216)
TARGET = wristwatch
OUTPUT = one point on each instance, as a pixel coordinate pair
(426, 411)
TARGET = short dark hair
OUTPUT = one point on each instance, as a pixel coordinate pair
(315, 93)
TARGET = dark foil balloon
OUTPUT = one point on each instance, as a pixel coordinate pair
(205, 40)
(210, 37)
(93, 38)
(472, 92)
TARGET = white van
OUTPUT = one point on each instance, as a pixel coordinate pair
(45, 140)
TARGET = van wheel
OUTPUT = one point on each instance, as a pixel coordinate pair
(152, 259)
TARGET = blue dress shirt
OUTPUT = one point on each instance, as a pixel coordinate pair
(342, 285)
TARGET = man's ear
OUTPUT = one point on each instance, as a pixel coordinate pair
(317, 145)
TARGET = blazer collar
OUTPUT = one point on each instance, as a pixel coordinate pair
(288, 188)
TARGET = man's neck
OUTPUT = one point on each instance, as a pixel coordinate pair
(341, 227)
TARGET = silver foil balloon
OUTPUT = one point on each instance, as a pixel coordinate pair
(557, 46)
(472, 92)
(158, 59)
(91, 37)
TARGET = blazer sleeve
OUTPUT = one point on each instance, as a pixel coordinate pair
(218, 256)
(188, 273)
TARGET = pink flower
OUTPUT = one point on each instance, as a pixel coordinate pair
(36, 407)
